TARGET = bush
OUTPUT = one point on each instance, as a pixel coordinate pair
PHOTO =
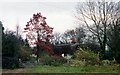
(9, 63)
(57, 61)
(24, 53)
(77, 63)
(53, 61)
(108, 62)
(105, 62)
(88, 56)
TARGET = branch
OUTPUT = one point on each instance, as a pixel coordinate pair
(90, 29)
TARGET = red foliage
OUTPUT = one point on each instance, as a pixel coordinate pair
(26, 28)
(37, 25)
(27, 25)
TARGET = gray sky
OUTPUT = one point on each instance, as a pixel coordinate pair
(60, 15)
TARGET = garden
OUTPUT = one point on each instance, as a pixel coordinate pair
(92, 47)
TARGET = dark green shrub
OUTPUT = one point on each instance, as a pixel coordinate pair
(10, 63)
(57, 61)
(10, 48)
(53, 61)
(46, 61)
(24, 53)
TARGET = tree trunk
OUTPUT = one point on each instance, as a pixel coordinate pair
(38, 47)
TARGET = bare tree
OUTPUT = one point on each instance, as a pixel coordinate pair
(96, 16)
(71, 34)
(57, 36)
(17, 30)
(80, 34)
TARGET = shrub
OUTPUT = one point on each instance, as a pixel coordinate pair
(87, 55)
(108, 62)
(105, 62)
(24, 53)
(58, 61)
(77, 63)
(10, 62)
(53, 61)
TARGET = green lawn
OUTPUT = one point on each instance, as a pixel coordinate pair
(69, 69)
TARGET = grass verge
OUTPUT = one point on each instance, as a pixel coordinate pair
(69, 69)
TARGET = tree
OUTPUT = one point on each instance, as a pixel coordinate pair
(57, 36)
(17, 30)
(96, 16)
(39, 33)
(71, 35)
(75, 35)
(10, 50)
(114, 38)
(80, 34)
(1, 33)
(24, 52)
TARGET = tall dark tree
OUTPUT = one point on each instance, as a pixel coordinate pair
(1, 33)
(10, 48)
(113, 33)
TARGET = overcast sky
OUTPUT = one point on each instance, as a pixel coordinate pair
(59, 13)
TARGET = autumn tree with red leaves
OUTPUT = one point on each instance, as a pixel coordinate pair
(39, 33)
